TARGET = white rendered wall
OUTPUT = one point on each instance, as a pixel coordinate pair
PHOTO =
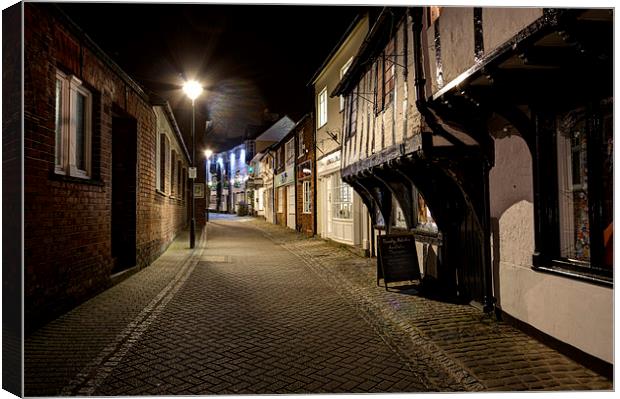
(575, 312)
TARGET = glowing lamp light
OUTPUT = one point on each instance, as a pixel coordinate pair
(208, 154)
(192, 89)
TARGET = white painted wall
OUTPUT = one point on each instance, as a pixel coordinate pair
(578, 313)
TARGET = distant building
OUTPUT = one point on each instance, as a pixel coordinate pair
(305, 175)
(284, 181)
(228, 170)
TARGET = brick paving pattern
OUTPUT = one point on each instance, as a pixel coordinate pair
(264, 310)
(477, 349)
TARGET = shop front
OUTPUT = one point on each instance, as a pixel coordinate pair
(341, 216)
(285, 198)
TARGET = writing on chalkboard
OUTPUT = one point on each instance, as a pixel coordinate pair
(397, 259)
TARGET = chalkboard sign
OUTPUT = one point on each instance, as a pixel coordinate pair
(397, 259)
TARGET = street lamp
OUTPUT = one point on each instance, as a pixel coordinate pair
(193, 89)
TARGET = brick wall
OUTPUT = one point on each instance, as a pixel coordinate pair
(305, 132)
(68, 221)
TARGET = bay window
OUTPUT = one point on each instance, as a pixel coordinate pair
(341, 195)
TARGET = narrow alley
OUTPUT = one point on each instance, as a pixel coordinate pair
(257, 309)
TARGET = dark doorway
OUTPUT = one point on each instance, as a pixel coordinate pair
(124, 153)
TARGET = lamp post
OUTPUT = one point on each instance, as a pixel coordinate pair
(193, 89)
(208, 154)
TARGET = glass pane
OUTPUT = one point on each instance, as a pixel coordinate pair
(573, 190)
(58, 123)
(80, 131)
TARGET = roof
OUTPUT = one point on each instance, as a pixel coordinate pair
(278, 130)
(336, 48)
(157, 101)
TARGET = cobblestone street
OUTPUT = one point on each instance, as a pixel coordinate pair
(259, 309)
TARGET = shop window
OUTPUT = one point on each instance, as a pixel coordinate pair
(73, 127)
(307, 197)
(576, 232)
(398, 217)
(573, 193)
(424, 217)
(281, 200)
(341, 199)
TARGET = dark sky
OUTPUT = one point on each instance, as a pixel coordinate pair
(249, 57)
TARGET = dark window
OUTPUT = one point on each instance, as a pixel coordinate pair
(162, 162)
(576, 222)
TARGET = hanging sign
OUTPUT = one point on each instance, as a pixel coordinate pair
(191, 172)
(397, 259)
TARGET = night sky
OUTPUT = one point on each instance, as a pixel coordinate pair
(249, 57)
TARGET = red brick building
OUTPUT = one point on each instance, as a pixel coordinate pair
(284, 181)
(105, 169)
(305, 180)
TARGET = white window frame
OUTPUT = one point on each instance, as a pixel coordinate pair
(70, 87)
(301, 146)
(307, 197)
(321, 107)
(289, 152)
(343, 71)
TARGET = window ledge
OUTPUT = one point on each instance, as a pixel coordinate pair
(565, 269)
(73, 179)
(158, 191)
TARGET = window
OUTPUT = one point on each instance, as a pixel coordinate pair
(162, 161)
(73, 127)
(301, 145)
(576, 234)
(307, 197)
(343, 71)
(183, 180)
(322, 108)
(173, 179)
(385, 70)
(573, 193)
(281, 200)
(341, 199)
(179, 179)
(389, 71)
(353, 117)
(289, 151)
(425, 219)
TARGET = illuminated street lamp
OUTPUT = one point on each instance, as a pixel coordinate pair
(193, 89)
